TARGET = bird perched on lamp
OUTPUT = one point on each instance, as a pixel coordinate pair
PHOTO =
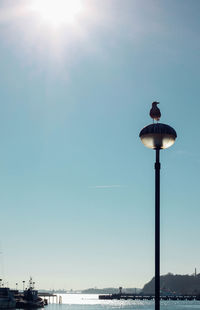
(155, 111)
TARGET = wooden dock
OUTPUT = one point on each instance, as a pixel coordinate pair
(148, 297)
(49, 296)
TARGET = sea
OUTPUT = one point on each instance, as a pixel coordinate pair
(92, 302)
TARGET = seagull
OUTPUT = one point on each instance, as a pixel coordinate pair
(155, 111)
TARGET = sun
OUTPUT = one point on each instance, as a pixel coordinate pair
(57, 12)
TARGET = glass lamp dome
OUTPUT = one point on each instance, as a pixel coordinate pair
(158, 136)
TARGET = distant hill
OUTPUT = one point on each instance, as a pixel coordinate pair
(179, 284)
(110, 290)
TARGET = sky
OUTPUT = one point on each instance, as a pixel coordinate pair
(76, 183)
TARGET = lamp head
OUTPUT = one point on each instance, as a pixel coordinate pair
(158, 136)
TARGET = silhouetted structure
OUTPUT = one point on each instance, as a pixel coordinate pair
(157, 137)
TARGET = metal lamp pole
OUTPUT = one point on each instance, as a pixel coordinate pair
(157, 230)
(157, 136)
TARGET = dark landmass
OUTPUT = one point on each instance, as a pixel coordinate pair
(110, 290)
(175, 284)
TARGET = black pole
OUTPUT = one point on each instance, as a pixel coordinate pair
(157, 230)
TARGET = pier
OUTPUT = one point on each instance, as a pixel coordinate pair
(49, 296)
(148, 297)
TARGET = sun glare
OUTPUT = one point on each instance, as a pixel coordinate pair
(57, 12)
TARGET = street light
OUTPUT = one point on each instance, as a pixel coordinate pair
(23, 284)
(157, 136)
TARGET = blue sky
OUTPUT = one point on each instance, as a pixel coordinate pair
(76, 183)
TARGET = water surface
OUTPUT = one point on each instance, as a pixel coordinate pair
(91, 302)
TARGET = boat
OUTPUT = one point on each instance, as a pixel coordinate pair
(29, 298)
(7, 300)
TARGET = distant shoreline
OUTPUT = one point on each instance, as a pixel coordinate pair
(94, 291)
